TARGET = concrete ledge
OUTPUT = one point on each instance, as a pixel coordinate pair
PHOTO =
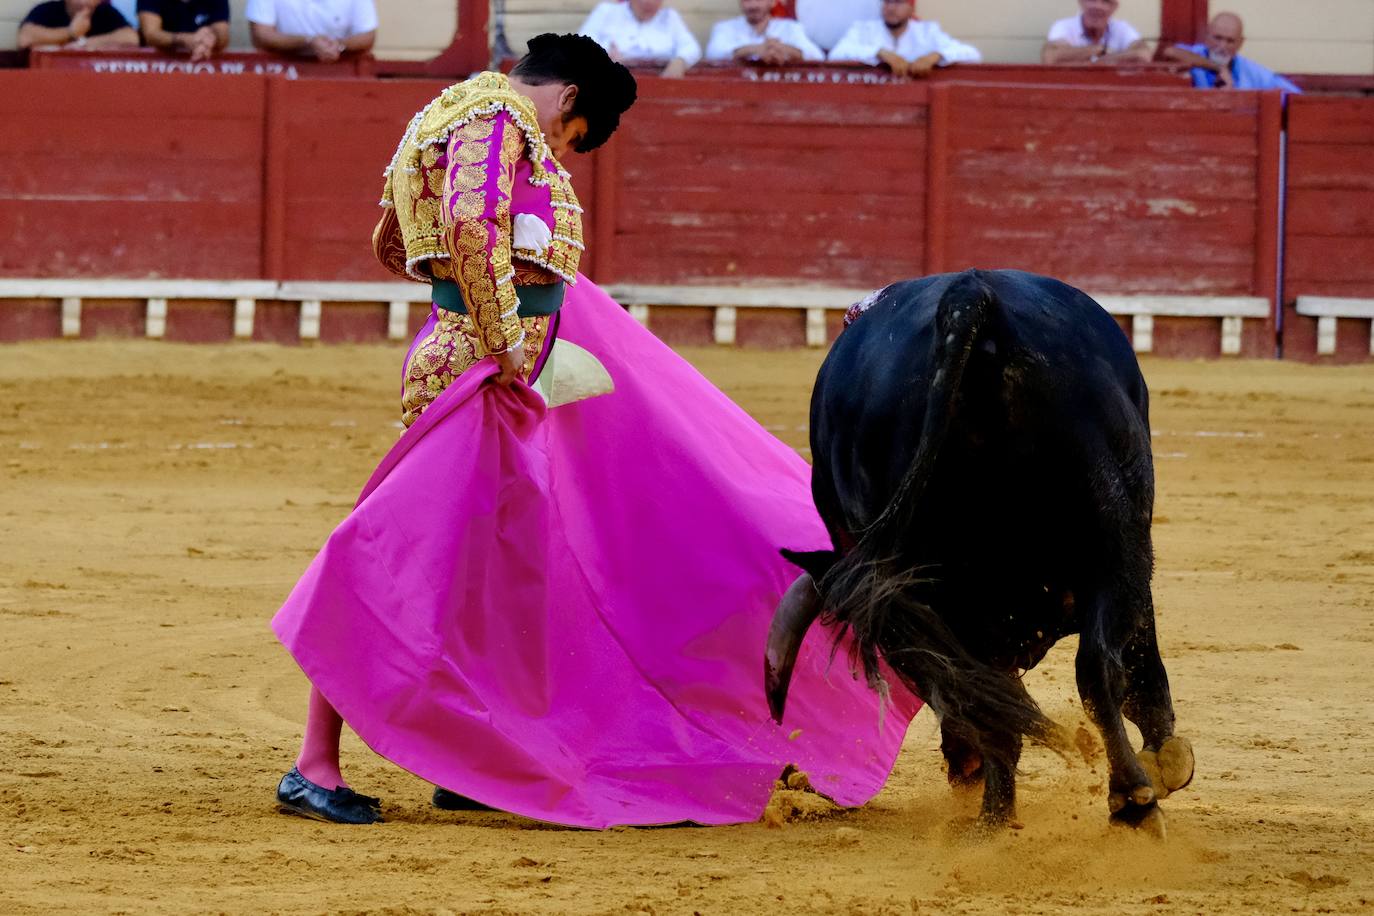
(1335, 307)
(813, 301)
(1328, 310)
(137, 289)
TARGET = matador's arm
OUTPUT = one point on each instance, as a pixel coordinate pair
(477, 224)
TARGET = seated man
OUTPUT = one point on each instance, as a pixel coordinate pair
(1217, 61)
(196, 27)
(908, 47)
(325, 29)
(760, 36)
(643, 32)
(1094, 38)
(87, 24)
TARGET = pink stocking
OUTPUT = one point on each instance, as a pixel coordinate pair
(319, 757)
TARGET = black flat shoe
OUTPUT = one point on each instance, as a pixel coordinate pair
(298, 795)
(452, 801)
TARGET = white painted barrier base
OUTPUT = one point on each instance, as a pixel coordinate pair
(1330, 309)
(815, 301)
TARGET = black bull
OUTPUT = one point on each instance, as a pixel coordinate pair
(981, 450)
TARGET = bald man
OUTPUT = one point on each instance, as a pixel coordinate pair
(1217, 63)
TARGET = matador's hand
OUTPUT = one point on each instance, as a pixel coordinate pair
(511, 360)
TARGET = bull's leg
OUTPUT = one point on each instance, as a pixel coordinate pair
(1102, 687)
(963, 761)
(1000, 755)
(999, 784)
(1168, 760)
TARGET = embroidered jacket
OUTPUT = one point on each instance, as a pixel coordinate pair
(470, 168)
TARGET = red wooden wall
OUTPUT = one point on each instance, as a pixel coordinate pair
(1120, 191)
(1329, 246)
(328, 143)
(112, 175)
(756, 182)
(1130, 190)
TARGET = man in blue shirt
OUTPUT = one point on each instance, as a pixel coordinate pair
(1217, 61)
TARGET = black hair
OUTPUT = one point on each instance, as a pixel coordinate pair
(605, 89)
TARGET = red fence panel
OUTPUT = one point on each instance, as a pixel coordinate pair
(327, 144)
(766, 182)
(107, 175)
(1329, 244)
(1112, 190)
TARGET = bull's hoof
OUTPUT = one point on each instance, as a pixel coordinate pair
(1147, 819)
(1170, 768)
(1149, 762)
(1176, 763)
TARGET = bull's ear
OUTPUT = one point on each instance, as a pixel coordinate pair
(815, 562)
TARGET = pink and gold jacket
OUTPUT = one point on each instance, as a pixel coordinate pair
(471, 170)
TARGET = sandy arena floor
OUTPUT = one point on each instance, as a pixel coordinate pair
(160, 500)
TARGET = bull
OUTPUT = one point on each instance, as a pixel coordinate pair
(982, 462)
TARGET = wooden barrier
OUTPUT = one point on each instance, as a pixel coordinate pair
(306, 312)
(1147, 193)
(107, 175)
(725, 180)
(226, 63)
(1329, 243)
(853, 74)
(326, 146)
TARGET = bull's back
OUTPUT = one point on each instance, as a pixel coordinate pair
(1048, 358)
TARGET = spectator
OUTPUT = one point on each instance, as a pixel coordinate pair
(1217, 61)
(196, 27)
(1093, 38)
(909, 47)
(325, 29)
(128, 9)
(758, 35)
(826, 21)
(76, 24)
(643, 32)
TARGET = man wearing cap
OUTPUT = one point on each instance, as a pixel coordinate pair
(1217, 63)
(761, 37)
(909, 47)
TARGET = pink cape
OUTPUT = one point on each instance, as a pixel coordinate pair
(562, 614)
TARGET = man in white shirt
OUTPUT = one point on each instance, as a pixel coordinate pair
(909, 47)
(325, 29)
(760, 36)
(1093, 37)
(643, 32)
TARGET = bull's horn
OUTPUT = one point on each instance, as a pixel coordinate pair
(798, 609)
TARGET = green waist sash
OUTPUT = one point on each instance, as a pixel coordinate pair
(534, 300)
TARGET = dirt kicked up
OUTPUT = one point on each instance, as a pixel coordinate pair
(160, 500)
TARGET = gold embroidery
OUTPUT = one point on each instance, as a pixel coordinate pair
(469, 206)
(452, 348)
(470, 177)
(434, 180)
(471, 153)
(462, 112)
(387, 244)
(476, 130)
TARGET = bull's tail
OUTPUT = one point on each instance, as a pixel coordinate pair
(869, 591)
